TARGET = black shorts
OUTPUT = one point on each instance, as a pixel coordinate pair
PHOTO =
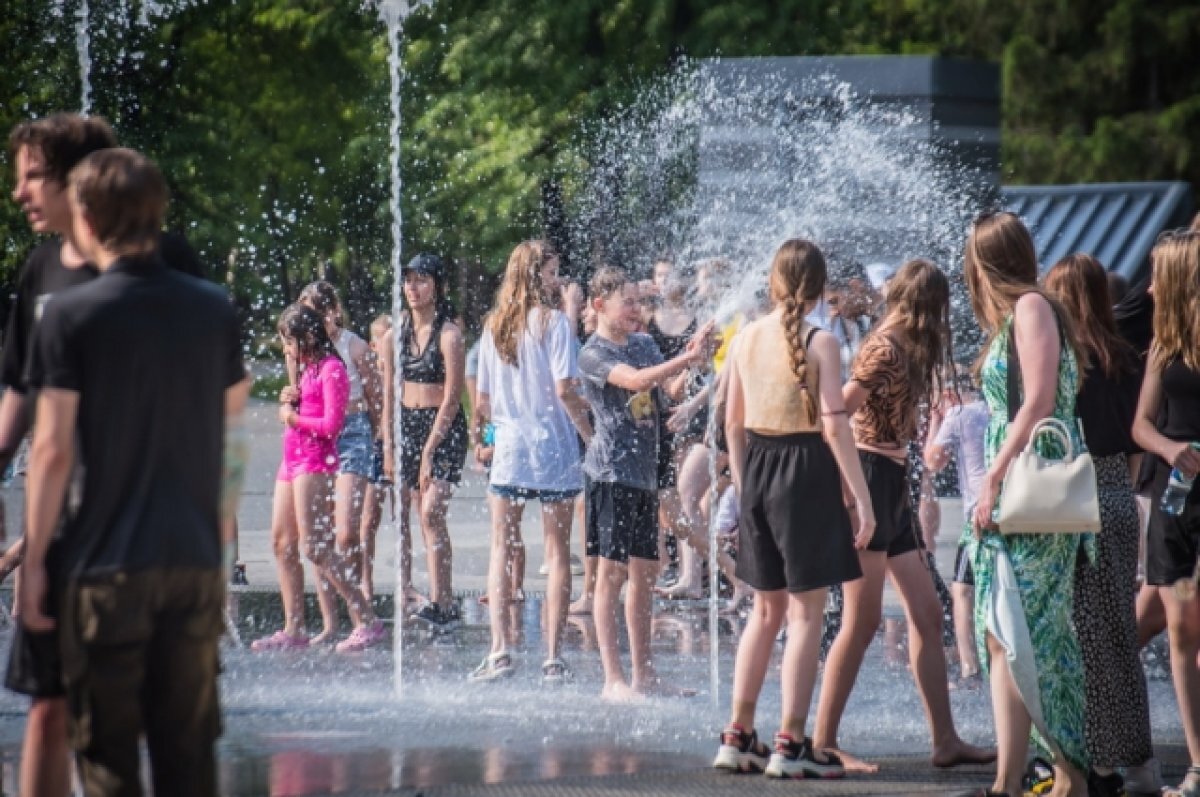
(378, 477)
(1173, 544)
(887, 481)
(35, 659)
(450, 455)
(622, 522)
(794, 532)
(963, 574)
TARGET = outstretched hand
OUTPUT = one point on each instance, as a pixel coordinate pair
(701, 345)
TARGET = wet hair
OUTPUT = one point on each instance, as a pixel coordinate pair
(306, 326)
(63, 139)
(123, 197)
(1080, 284)
(798, 276)
(1000, 266)
(1176, 273)
(918, 304)
(520, 292)
(607, 281)
(323, 297)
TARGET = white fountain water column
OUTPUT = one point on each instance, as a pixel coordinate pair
(83, 48)
(394, 13)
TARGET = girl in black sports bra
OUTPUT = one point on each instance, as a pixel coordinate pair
(433, 426)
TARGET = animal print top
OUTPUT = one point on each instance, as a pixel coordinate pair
(888, 417)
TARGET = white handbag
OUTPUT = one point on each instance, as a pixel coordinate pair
(1049, 496)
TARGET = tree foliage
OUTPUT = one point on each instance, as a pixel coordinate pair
(270, 117)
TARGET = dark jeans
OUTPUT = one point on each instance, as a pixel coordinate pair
(140, 659)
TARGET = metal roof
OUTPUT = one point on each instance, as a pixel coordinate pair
(1115, 222)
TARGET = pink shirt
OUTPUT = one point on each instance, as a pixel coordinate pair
(310, 446)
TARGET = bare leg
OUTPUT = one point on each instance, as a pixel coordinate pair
(694, 484)
(1151, 614)
(285, 541)
(327, 601)
(1012, 722)
(438, 553)
(964, 628)
(313, 495)
(928, 659)
(348, 511)
(801, 658)
(610, 577)
(45, 755)
(506, 531)
(556, 523)
(642, 574)
(1183, 628)
(371, 518)
(411, 596)
(754, 654)
(861, 615)
(588, 591)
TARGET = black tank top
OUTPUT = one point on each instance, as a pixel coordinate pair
(1181, 389)
(671, 345)
(426, 367)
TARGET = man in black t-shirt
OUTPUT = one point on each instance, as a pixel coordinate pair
(43, 152)
(140, 385)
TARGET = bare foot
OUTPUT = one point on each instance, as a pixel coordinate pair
(680, 592)
(621, 692)
(581, 606)
(959, 752)
(324, 638)
(852, 763)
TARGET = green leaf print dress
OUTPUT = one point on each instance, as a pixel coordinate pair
(1025, 583)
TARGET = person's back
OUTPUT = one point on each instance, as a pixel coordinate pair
(776, 403)
(535, 441)
(153, 414)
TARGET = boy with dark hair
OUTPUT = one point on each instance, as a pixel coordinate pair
(43, 151)
(621, 373)
(140, 548)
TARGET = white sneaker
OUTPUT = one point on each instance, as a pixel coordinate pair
(494, 667)
(576, 565)
(544, 570)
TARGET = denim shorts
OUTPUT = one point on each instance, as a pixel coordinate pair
(355, 445)
(524, 494)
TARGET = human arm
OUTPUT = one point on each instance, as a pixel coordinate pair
(636, 380)
(367, 363)
(14, 424)
(576, 407)
(51, 460)
(235, 456)
(1039, 349)
(454, 356)
(683, 414)
(387, 363)
(735, 423)
(943, 435)
(1178, 454)
(836, 424)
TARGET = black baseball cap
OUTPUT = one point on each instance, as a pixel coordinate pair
(428, 264)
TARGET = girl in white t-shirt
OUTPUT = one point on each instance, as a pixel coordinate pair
(527, 390)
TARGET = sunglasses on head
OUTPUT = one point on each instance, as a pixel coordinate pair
(1177, 234)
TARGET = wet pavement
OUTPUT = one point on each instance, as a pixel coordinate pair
(319, 723)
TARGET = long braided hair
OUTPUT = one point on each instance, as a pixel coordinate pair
(798, 277)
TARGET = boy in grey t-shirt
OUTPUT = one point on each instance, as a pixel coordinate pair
(621, 375)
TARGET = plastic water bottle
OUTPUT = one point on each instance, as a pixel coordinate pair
(1178, 487)
(489, 436)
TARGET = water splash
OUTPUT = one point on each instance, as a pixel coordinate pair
(83, 48)
(394, 13)
(707, 163)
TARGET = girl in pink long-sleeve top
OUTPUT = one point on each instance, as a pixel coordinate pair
(312, 414)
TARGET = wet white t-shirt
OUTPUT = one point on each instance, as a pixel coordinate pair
(537, 446)
(964, 429)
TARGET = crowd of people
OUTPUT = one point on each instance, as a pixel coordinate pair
(805, 429)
